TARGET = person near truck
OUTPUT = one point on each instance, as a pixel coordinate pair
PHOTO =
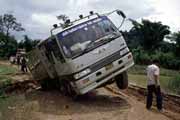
(153, 85)
(23, 65)
(18, 60)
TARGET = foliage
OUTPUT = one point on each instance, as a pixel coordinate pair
(176, 38)
(5, 70)
(3, 86)
(141, 56)
(8, 22)
(175, 84)
(9, 47)
(149, 34)
(28, 44)
(147, 42)
(166, 59)
(8, 44)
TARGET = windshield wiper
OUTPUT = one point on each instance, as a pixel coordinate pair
(109, 38)
(88, 46)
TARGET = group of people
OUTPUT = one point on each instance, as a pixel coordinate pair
(20, 61)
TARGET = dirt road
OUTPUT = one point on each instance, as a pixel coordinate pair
(101, 104)
(97, 105)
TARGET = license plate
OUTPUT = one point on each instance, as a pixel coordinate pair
(108, 67)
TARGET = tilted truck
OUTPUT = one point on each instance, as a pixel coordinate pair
(82, 55)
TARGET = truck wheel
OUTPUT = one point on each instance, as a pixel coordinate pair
(67, 90)
(45, 84)
(71, 92)
(49, 84)
(122, 80)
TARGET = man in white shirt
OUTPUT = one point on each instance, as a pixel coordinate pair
(153, 85)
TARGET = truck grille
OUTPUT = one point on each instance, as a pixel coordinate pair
(106, 61)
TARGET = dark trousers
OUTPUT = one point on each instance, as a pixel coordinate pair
(23, 68)
(157, 90)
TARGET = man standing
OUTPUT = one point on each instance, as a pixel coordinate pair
(23, 65)
(153, 85)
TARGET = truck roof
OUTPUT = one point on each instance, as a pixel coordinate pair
(75, 23)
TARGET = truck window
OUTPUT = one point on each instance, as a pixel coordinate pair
(47, 52)
(76, 39)
(56, 50)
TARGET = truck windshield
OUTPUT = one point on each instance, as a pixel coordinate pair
(76, 39)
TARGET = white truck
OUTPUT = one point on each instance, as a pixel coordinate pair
(82, 55)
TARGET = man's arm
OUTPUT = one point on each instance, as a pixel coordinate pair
(156, 76)
(156, 79)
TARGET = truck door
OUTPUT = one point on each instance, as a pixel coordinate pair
(55, 51)
(47, 59)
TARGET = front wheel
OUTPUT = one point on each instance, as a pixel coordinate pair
(122, 80)
(67, 89)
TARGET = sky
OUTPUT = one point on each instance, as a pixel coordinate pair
(38, 16)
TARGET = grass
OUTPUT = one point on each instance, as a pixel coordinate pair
(139, 69)
(141, 80)
(137, 75)
(6, 70)
(5, 79)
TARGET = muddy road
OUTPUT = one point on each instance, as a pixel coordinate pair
(26, 101)
(100, 104)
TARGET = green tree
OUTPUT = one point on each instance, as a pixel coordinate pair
(9, 48)
(8, 43)
(9, 23)
(28, 44)
(176, 38)
(149, 34)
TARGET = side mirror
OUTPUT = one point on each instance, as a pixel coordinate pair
(119, 12)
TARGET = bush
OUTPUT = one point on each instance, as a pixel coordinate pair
(141, 56)
(174, 84)
(166, 60)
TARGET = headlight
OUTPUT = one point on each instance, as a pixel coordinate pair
(82, 73)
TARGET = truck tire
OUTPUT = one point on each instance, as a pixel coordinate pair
(122, 80)
(45, 84)
(67, 89)
(48, 84)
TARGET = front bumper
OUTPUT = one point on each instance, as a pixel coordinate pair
(92, 81)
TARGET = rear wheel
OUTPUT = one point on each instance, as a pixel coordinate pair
(45, 84)
(49, 84)
(122, 80)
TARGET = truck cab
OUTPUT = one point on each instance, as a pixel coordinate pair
(86, 54)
